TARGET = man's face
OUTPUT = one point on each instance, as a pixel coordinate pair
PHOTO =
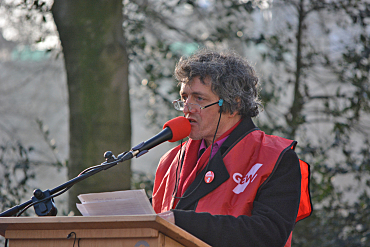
(203, 123)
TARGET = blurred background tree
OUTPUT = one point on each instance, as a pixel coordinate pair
(96, 63)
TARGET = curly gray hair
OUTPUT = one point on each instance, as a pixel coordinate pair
(233, 79)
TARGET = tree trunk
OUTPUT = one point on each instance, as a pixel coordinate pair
(97, 73)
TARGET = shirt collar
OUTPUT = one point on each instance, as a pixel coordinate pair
(216, 146)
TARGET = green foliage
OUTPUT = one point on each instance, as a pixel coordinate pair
(158, 33)
(142, 180)
(15, 168)
(18, 166)
(328, 114)
(30, 22)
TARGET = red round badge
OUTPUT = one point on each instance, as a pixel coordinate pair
(208, 178)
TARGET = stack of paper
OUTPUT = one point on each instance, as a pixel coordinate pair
(128, 202)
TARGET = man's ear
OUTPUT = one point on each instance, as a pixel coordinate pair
(231, 115)
(228, 114)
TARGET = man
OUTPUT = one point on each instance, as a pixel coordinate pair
(249, 193)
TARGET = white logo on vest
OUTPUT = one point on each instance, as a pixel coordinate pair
(243, 182)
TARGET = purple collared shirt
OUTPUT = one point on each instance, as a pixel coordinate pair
(216, 147)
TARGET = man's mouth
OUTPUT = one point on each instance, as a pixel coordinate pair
(191, 120)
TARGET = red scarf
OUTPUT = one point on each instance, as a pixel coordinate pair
(192, 166)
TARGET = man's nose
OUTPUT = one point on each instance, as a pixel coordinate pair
(187, 109)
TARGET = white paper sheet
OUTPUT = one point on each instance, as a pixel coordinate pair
(128, 202)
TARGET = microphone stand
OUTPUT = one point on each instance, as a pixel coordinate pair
(43, 200)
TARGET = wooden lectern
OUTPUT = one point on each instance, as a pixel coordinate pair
(95, 231)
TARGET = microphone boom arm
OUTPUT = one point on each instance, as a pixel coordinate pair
(111, 161)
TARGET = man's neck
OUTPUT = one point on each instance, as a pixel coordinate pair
(226, 123)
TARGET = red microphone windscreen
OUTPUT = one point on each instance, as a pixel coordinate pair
(180, 127)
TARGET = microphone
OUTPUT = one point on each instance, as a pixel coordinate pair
(173, 130)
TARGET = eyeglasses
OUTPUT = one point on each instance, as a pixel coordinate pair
(180, 105)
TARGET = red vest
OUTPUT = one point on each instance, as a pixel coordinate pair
(249, 163)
